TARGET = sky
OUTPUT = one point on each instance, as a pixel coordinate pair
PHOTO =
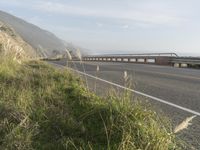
(117, 26)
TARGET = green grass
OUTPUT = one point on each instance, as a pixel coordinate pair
(46, 108)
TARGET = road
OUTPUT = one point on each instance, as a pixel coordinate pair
(175, 85)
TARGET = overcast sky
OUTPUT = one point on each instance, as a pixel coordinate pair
(112, 26)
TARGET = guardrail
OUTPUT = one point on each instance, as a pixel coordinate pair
(170, 59)
(142, 54)
(186, 62)
(149, 58)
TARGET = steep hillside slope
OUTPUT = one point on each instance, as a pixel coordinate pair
(38, 38)
(12, 45)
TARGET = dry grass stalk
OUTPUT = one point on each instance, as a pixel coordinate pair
(184, 124)
(95, 85)
(125, 76)
(97, 68)
(10, 48)
(69, 56)
(78, 54)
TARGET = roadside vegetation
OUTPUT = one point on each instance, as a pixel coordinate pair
(46, 108)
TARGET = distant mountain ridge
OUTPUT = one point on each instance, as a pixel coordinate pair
(44, 42)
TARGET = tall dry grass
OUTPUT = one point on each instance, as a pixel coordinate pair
(10, 48)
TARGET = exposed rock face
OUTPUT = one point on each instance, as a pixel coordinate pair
(12, 45)
(42, 41)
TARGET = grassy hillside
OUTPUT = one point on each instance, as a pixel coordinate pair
(46, 108)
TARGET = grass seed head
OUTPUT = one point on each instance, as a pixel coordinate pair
(78, 54)
(184, 124)
(69, 56)
(97, 68)
(125, 75)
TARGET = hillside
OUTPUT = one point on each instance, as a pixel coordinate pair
(12, 45)
(41, 40)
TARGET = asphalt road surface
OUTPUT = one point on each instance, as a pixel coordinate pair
(180, 86)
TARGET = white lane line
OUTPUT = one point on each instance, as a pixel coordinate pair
(140, 93)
